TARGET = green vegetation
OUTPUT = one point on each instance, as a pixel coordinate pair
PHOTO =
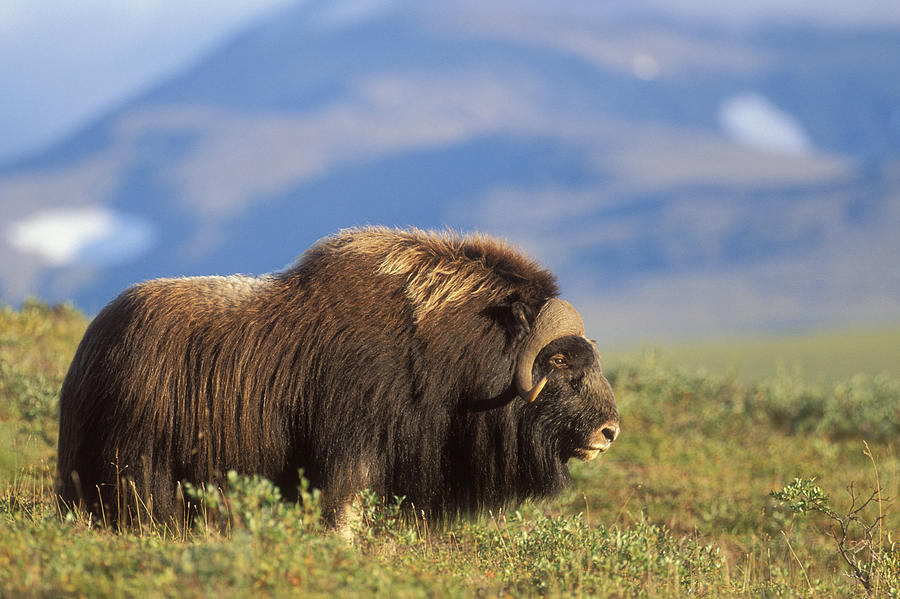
(821, 358)
(874, 563)
(708, 492)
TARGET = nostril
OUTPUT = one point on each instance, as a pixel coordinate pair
(610, 431)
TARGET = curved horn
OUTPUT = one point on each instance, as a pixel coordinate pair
(557, 318)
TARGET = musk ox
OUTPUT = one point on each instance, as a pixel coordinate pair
(434, 366)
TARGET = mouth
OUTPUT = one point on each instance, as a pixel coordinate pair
(586, 454)
(599, 441)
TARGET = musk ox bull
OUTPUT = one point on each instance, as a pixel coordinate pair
(438, 367)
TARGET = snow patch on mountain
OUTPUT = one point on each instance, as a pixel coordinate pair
(752, 120)
(89, 235)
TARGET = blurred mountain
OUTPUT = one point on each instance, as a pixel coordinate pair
(681, 179)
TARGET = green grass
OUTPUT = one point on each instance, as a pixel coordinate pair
(822, 358)
(682, 505)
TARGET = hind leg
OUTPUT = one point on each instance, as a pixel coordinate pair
(341, 501)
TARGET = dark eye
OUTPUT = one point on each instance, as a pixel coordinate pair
(558, 361)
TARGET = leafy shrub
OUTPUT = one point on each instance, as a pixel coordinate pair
(652, 393)
(560, 555)
(377, 519)
(788, 404)
(864, 407)
(857, 534)
(254, 505)
(31, 400)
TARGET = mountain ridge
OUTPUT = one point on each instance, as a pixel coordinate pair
(596, 144)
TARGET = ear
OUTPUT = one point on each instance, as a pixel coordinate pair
(515, 316)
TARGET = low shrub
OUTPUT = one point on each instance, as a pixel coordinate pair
(651, 392)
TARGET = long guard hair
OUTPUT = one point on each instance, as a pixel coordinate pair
(364, 364)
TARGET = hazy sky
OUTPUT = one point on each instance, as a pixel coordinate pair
(64, 61)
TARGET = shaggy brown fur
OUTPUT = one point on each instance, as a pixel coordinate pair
(359, 365)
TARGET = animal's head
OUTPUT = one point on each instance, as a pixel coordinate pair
(559, 378)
